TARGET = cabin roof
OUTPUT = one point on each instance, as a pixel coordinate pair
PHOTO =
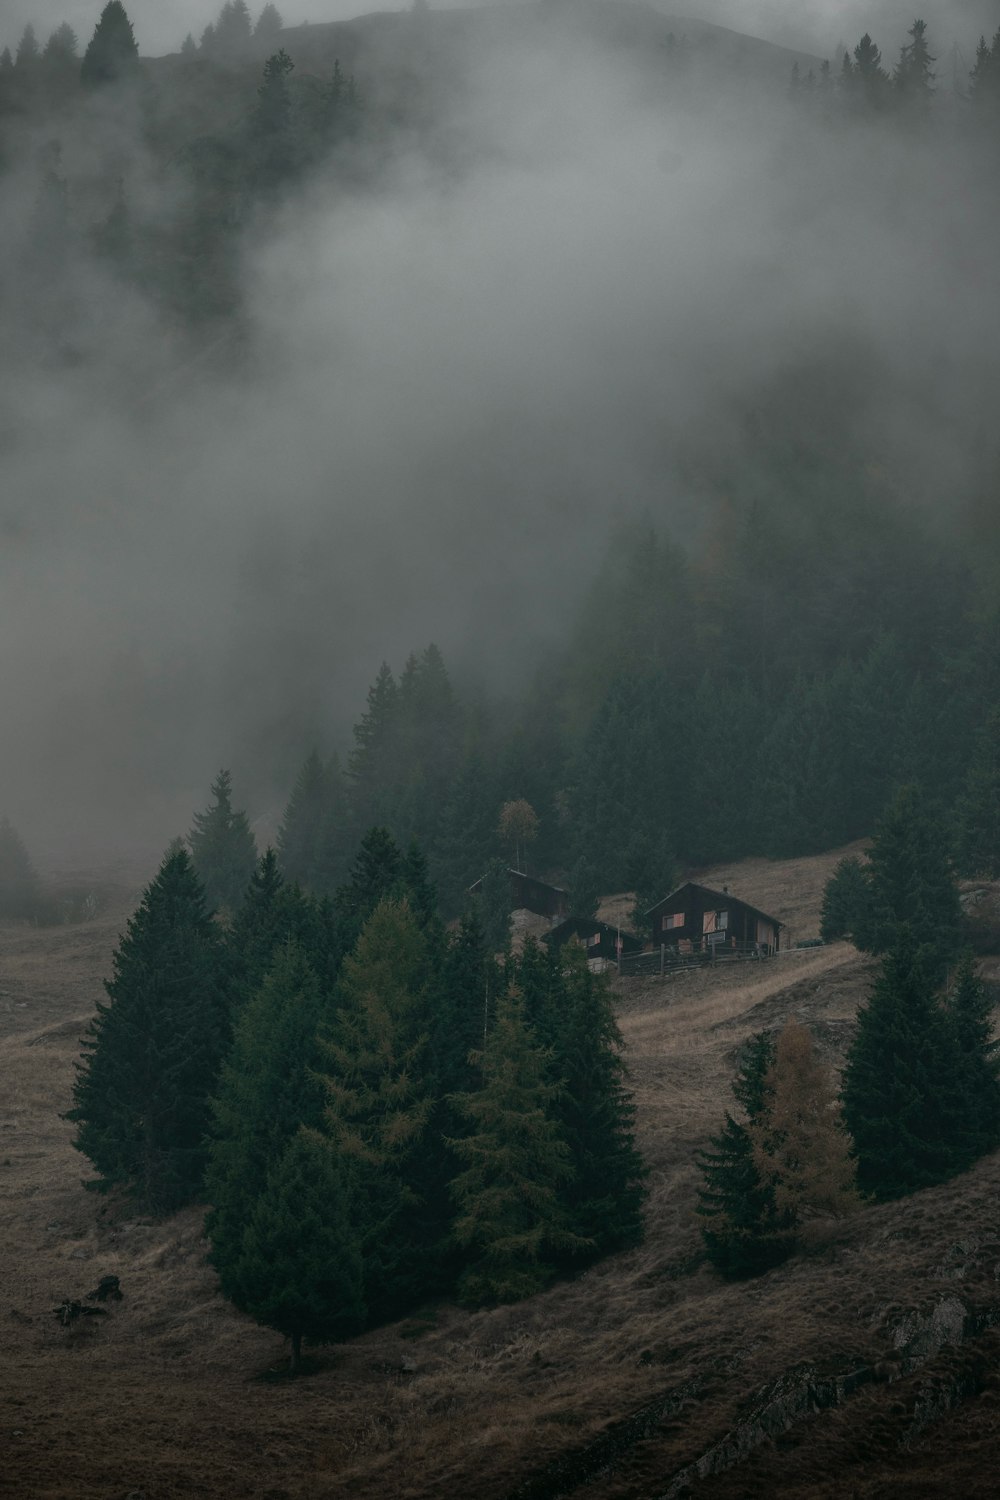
(722, 897)
(520, 874)
(587, 924)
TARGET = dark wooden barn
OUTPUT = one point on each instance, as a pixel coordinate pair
(600, 939)
(695, 918)
(528, 894)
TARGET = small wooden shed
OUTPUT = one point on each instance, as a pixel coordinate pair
(694, 918)
(600, 939)
(528, 894)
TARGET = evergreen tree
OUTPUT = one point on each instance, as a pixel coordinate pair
(869, 80)
(270, 916)
(152, 1055)
(912, 881)
(847, 899)
(510, 1216)
(369, 764)
(985, 76)
(464, 835)
(274, 148)
(60, 58)
(233, 30)
(380, 1099)
(28, 53)
(469, 981)
(494, 906)
(977, 815)
(971, 1014)
(595, 1112)
(269, 23)
(800, 1147)
(6, 63)
(903, 1090)
(112, 54)
(267, 1089)
(376, 875)
(914, 76)
(20, 894)
(299, 1269)
(222, 847)
(311, 838)
(744, 1231)
(189, 48)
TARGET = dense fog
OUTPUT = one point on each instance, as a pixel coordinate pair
(455, 371)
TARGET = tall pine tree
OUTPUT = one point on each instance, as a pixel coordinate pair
(511, 1219)
(222, 847)
(152, 1055)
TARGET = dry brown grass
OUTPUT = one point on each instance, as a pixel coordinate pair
(162, 1398)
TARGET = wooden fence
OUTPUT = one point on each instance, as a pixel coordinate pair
(667, 960)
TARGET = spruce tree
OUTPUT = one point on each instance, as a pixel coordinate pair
(272, 915)
(595, 1112)
(274, 152)
(977, 815)
(312, 834)
(28, 51)
(152, 1055)
(222, 847)
(970, 1011)
(511, 1219)
(904, 1083)
(744, 1231)
(376, 875)
(914, 76)
(847, 899)
(20, 893)
(267, 1089)
(380, 1100)
(269, 22)
(912, 881)
(299, 1269)
(870, 81)
(112, 54)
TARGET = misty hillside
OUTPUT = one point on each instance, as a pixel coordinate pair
(866, 1362)
(467, 474)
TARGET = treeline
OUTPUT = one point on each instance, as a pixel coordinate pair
(766, 700)
(919, 1099)
(225, 128)
(863, 87)
(377, 1110)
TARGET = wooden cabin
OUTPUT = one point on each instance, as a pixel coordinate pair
(528, 894)
(600, 939)
(695, 918)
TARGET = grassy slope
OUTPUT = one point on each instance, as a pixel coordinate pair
(161, 1397)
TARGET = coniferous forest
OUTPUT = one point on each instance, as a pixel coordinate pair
(543, 443)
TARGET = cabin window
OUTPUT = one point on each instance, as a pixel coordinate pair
(715, 921)
(672, 919)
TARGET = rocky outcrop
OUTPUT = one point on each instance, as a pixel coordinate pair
(915, 1339)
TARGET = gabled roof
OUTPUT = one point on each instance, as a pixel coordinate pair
(522, 876)
(722, 897)
(588, 924)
